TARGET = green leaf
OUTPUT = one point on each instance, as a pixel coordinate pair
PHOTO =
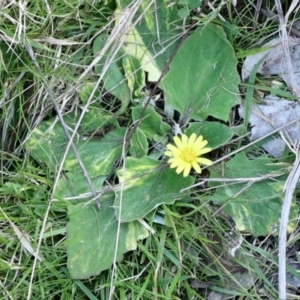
(139, 144)
(154, 37)
(92, 238)
(73, 184)
(254, 205)
(86, 91)
(135, 75)
(48, 145)
(202, 80)
(215, 133)
(114, 79)
(195, 3)
(151, 123)
(183, 12)
(147, 185)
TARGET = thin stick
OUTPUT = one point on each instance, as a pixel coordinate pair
(295, 173)
(289, 189)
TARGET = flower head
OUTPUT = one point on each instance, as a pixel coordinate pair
(187, 154)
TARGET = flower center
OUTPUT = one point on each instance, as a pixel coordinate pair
(188, 155)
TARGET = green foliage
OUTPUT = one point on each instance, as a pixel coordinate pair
(215, 133)
(154, 39)
(151, 124)
(201, 82)
(184, 11)
(255, 203)
(155, 232)
(144, 183)
(94, 233)
(48, 144)
(139, 144)
(144, 186)
(114, 79)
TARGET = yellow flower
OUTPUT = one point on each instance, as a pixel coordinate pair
(187, 154)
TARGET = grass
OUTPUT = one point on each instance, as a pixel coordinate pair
(186, 257)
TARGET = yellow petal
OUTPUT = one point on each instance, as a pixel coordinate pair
(168, 153)
(171, 160)
(178, 142)
(187, 170)
(180, 168)
(184, 140)
(192, 140)
(173, 149)
(196, 167)
(199, 140)
(174, 164)
(203, 151)
(204, 161)
(200, 144)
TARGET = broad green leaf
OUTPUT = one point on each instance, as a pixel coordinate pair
(73, 184)
(92, 238)
(154, 37)
(151, 123)
(146, 186)
(99, 156)
(215, 133)
(183, 12)
(138, 144)
(203, 79)
(48, 144)
(114, 80)
(254, 205)
(195, 3)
